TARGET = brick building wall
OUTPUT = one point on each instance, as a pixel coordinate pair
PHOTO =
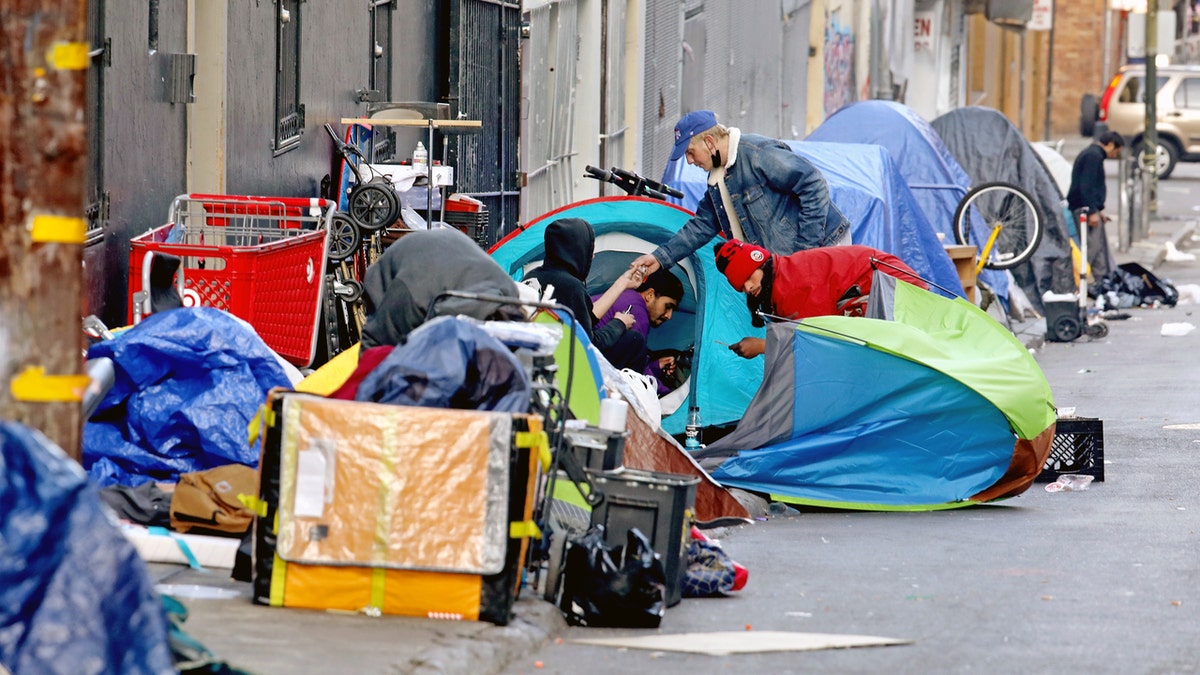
(1078, 59)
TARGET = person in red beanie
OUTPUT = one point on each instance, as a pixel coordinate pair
(816, 282)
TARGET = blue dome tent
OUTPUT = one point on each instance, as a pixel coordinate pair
(935, 178)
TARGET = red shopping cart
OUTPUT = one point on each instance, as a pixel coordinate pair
(259, 258)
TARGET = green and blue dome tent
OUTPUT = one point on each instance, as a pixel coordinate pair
(933, 406)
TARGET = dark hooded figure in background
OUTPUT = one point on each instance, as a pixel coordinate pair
(570, 245)
(400, 287)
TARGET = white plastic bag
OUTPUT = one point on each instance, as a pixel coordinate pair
(645, 388)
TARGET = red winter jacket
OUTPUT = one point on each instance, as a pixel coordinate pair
(830, 280)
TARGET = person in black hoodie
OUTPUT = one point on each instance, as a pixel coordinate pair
(570, 245)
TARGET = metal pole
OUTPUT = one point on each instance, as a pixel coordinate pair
(881, 84)
(42, 227)
(1124, 222)
(1050, 73)
(1150, 145)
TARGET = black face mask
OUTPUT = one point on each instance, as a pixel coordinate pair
(716, 158)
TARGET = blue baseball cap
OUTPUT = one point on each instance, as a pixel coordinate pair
(689, 125)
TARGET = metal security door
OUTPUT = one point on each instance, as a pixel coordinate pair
(484, 85)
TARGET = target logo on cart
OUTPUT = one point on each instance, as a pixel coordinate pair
(191, 298)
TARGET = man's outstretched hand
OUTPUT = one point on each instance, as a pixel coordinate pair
(643, 266)
(748, 348)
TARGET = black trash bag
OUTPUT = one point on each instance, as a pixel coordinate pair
(1138, 285)
(622, 587)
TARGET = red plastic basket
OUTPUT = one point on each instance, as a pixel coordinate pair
(259, 258)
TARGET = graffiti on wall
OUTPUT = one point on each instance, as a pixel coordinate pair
(839, 67)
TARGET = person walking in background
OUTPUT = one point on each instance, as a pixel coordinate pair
(759, 191)
(1087, 195)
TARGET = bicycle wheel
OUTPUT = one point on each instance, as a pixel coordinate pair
(1008, 207)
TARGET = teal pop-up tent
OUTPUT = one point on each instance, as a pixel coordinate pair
(711, 316)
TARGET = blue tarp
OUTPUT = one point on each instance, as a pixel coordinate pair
(866, 187)
(188, 382)
(935, 178)
(449, 363)
(74, 595)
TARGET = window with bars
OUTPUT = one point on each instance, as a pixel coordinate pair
(289, 113)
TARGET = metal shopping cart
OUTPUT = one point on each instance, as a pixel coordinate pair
(259, 258)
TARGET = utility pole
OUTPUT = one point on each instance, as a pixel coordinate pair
(43, 147)
(1150, 144)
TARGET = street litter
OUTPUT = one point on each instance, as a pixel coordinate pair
(1175, 255)
(743, 642)
(1189, 294)
(1070, 483)
(1177, 329)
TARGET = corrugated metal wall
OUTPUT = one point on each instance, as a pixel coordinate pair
(794, 72)
(553, 53)
(661, 109)
(613, 124)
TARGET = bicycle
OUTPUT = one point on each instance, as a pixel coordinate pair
(1004, 218)
(632, 183)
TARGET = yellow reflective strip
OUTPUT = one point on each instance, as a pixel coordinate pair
(255, 504)
(35, 386)
(383, 518)
(539, 441)
(69, 56)
(378, 577)
(525, 529)
(278, 573)
(59, 229)
(255, 426)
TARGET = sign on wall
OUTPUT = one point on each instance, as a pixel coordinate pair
(1043, 15)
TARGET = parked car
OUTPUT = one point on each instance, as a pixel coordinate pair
(1123, 110)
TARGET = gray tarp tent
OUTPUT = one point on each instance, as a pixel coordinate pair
(990, 148)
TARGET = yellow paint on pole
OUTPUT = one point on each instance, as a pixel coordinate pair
(58, 229)
(33, 385)
(69, 56)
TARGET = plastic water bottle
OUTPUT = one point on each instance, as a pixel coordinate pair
(420, 155)
(692, 430)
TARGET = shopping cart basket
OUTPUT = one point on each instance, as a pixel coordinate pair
(259, 258)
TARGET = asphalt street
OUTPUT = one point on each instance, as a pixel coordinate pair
(1103, 580)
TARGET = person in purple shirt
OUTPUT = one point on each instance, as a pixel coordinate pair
(651, 304)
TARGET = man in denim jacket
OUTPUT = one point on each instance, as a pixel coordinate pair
(759, 191)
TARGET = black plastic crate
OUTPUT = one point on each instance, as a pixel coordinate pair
(1078, 448)
(661, 505)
